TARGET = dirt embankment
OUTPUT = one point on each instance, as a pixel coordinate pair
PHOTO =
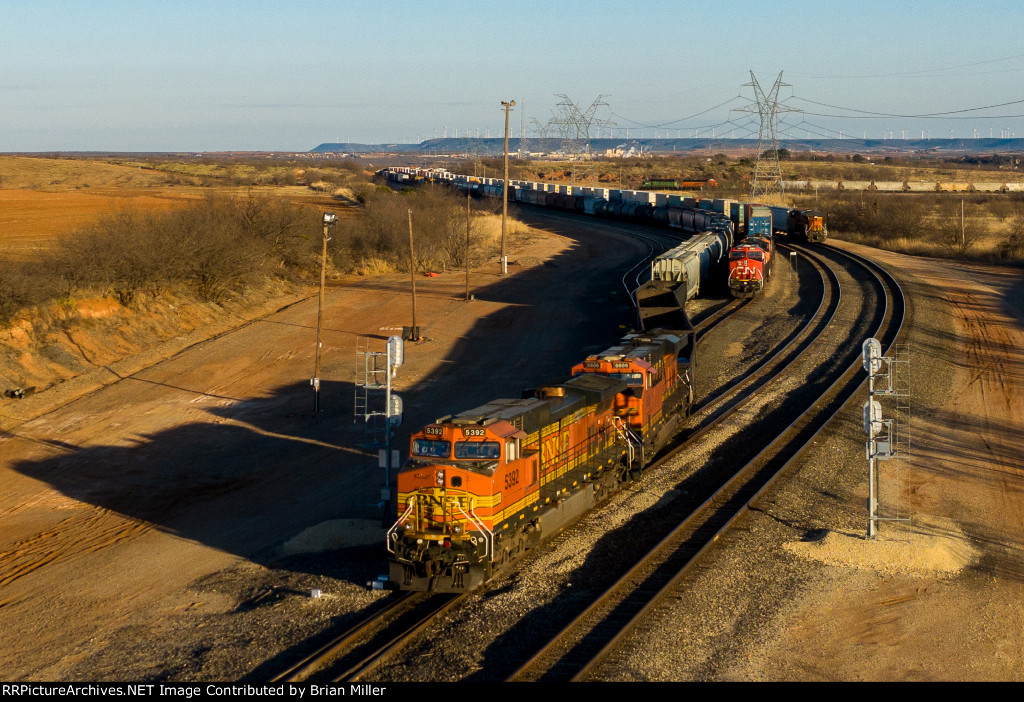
(85, 344)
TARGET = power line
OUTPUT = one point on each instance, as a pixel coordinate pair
(939, 115)
(681, 119)
(916, 73)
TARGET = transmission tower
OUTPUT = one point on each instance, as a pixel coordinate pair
(575, 125)
(767, 171)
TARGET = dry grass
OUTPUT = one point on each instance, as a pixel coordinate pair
(488, 227)
(57, 174)
(372, 266)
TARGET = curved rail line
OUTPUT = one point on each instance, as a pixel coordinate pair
(365, 646)
(361, 648)
(576, 652)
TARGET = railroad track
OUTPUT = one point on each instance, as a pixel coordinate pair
(365, 646)
(362, 649)
(743, 387)
(373, 641)
(581, 647)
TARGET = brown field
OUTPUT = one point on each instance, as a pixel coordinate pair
(44, 198)
(29, 219)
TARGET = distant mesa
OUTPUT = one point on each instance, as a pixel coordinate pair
(493, 146)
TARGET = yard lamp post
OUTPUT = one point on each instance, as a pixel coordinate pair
(504, 185)
(329, 219)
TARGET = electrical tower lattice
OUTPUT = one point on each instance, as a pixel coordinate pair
(767, 181)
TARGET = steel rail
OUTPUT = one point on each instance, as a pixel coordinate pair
(399, 640)
(799, 341)
(346, 640)
(891, 324)
(686, 542)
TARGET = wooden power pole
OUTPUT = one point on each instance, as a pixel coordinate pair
(412, 277)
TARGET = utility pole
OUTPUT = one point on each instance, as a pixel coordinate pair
(963, 245)
(329, 219)
(504, 187)
(468, 216)
(415, 335)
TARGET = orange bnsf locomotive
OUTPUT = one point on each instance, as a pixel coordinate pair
(750, 266)
(483, 486)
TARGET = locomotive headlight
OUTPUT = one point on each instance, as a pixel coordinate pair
(440, 478)
(457, 529)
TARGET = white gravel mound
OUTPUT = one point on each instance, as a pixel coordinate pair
(915, 551)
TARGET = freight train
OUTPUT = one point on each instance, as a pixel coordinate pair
(750, 265)
(802, 224)
(685, 184)
(676, 277)
(690, 214)
(483, 486)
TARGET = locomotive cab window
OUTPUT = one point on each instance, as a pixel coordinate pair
(431, 449)
(512, 449)
(477, 450)
(633, 380)
(757, 255)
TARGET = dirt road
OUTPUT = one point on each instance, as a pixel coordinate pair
(212, 462)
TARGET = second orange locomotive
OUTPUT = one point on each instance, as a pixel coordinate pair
(483, 486)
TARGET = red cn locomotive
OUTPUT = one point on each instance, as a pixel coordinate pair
(750, 266)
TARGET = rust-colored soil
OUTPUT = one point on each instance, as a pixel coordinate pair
(938, 598)
(32, 219)
(117, 503)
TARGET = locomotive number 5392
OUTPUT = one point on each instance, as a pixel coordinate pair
(511, 478)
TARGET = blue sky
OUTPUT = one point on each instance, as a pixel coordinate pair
(237, 75)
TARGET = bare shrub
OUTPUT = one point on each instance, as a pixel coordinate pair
(214, 246)
(379, 238)
(874, 216)
(957, 233)
(20, 286)
(1012, 248)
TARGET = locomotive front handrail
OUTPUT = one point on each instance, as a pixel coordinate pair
(408, 511)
